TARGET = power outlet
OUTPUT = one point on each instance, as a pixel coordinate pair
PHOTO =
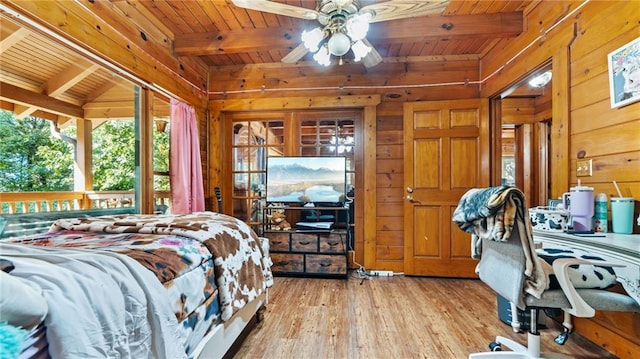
(584, 168)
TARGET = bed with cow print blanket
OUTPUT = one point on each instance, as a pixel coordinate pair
(183, 274)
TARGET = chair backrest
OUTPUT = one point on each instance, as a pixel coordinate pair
(502, 267)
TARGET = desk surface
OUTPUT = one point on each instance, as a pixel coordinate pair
(627, 244)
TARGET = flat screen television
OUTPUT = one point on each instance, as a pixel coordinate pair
(320, 180)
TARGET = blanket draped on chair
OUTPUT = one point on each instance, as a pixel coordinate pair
(492, 213)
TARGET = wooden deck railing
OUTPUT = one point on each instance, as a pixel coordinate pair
(30, 202)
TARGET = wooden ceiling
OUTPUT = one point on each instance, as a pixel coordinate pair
(221, 34)
(40, 76)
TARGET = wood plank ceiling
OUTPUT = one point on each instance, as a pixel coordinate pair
(222, 34)
(39, 76)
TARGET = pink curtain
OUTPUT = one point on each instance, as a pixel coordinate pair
(185, 168)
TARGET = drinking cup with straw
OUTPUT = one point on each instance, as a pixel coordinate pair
(621, 212)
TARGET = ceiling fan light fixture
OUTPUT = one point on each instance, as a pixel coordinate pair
(339, 44)
(323, 57)
(341, 3)
(358, 26)
(312, 38)
(344, 23)
(360, 50)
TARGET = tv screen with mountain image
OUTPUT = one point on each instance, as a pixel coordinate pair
(321, 180)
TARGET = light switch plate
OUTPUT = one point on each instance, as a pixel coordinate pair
(584, 168)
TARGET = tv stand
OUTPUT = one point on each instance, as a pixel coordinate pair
(316, 245)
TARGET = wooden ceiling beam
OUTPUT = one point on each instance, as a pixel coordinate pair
(120, 113)
(466, 27)
(109, 85)
(75, 73)
(498, 25)
(21, 111)
(236, 41)
(40, 101)
(58, 85)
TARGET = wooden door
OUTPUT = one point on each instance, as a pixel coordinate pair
(446, 154)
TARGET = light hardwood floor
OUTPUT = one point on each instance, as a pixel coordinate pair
(391, 317)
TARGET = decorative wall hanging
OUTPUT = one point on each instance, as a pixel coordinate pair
(624, 74)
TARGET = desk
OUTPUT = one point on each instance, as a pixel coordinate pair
(616, 248)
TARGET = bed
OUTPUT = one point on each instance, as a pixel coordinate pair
(139, 286)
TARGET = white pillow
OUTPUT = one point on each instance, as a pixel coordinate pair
(20, 305)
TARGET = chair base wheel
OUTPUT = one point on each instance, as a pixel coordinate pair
(562, 338)
(495, 347)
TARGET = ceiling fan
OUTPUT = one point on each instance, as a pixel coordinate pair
(344, 25)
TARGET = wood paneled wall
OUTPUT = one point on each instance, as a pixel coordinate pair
(389, 252)
(610, 137)
(595, 131)
(385, 227)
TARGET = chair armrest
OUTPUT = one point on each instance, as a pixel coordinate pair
(579, 307)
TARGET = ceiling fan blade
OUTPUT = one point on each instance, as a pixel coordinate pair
(295, 55)
(277, 8)
(373, 57)
(400, 9)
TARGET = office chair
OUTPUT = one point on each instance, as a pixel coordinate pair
(506, 267)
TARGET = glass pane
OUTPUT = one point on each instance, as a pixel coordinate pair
(240, 159)
(240, 133)
(275, 151)
(275, 133)
(327, 151)
(257, 206)
(308, 151)
(240, 184)
(256, 159)
(350, 179)
(258, 184)
(161, 187)
(350, 164)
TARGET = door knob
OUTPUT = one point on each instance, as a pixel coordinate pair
(411, 199)
(409, 189)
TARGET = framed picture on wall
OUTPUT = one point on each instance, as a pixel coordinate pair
(624, 74)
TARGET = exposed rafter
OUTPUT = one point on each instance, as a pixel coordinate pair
(28, 98)
(466, 27)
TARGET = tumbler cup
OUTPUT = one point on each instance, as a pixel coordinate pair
(622, 214)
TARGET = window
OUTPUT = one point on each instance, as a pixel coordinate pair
(329, 137)
(256, 137)
(253, 142)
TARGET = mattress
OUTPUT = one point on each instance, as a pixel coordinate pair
(183, 265)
